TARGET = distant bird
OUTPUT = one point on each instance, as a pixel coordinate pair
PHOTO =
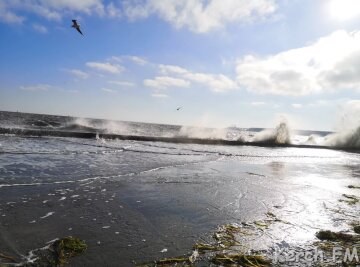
(178, 108)
(76, 26)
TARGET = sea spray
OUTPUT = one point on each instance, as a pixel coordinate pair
(348, 129)
(98, 126)
(346, 139)
(280, 135)
(202, 133)
(312, 140)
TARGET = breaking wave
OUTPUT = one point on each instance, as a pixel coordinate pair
(281, 135)
(95, 126)
(347, 139)
(61, 126)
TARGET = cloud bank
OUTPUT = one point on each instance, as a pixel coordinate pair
(331, 63)
(200, 15)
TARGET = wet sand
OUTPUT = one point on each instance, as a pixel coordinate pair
(163, 211)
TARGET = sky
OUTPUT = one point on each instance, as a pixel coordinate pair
(225, 62)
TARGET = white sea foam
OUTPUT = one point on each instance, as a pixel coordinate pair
(47, 215)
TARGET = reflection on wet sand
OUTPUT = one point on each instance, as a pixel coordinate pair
(135, 203)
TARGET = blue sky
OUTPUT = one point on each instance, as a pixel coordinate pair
(226, 62)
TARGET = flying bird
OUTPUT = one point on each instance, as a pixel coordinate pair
(178, 108)
(76, 26)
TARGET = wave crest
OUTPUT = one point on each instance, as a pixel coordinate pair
(349, 139)
(281, 135)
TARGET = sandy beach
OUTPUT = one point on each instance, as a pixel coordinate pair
(156, 200)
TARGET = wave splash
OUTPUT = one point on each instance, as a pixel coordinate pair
(96, 126)
(62, 126)
(281, 135)
(348, 139)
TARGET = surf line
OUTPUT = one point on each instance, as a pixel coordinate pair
(180, 140)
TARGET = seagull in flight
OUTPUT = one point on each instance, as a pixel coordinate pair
(178, 108)
(76, 26)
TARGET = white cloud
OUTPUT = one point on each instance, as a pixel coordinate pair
(329, 64)
(56, 9)
(258, 104)
(160, 95)
(138, 60)
(164, 82)
(215, 82)
(9, 16)
(122, 83)
(37, 87)
(41, 10)
(40, 28)
(116, 58)
(107, 90)
(171, 69)
(113, 11)
(105, 67)
(78, 73)
(295, 105)
(86, 6)
(200, 15)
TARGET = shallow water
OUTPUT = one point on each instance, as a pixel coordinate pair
(131, 200)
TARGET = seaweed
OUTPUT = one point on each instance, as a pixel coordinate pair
(6, 257)
(55, 254)
(68, 247)
(201, 247)
(172, 261)
(350, 199)
(271, 215)
(353, 187)
(327, 246)
(335, 236)
(242, 259)
(260, 224)
(183, 261)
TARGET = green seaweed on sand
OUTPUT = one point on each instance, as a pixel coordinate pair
(356, 227)
(55, 254)
(273, 218)
(201, 247)
(172, 260)
(67, 248)
(335, 236)
(326, 246)
(242, 259)
(224, 239)
(225, 235)
(353, 187)
(7, 257)
(260, 224)
(271, 215)
(350, 199)
(176, 261)
(331, 240)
